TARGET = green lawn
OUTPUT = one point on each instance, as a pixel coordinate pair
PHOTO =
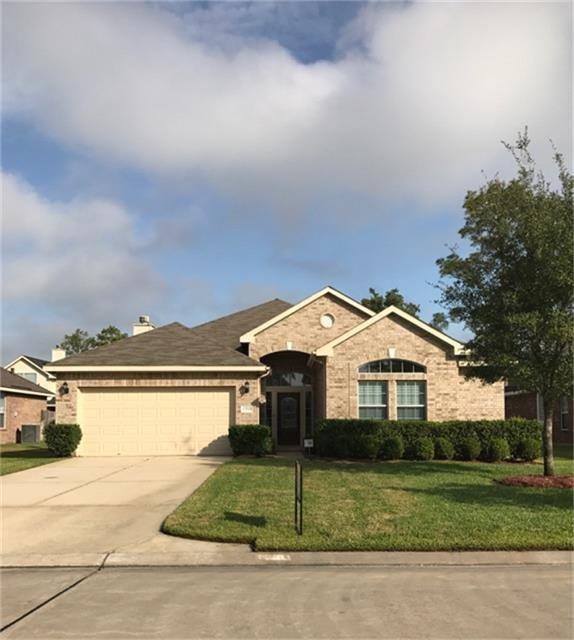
(17, 457)
(378, 506)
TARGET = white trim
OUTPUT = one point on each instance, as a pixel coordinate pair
(327, 349)
(112, 368)
(250, 335)
(32, 364)
(26, 392)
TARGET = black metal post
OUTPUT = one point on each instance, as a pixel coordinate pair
(299, 497)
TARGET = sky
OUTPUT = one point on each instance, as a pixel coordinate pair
(186, 160)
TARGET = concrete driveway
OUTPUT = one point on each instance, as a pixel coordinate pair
(95, 505)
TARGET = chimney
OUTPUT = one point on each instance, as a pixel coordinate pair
(58, 354)
(142, 326)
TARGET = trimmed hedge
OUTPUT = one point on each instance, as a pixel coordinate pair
(443, 449)
(356, 438)
(497, 450)
(250, 439)
(470, 448)
(528, 449)
(392, 448)
(420, 449)
(62, 439)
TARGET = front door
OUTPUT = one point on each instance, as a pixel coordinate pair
(289, 419)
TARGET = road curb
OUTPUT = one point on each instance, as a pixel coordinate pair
(245, 557)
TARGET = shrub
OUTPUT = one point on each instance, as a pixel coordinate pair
(392, 448)
(355, 438)
(421, 449)
(527, 449)
(443, 449)
(348, 438)
(62, 439)
(497, 450)
(470, 448)
(250, 439)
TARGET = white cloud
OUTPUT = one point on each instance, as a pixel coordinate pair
(76, 262)
(416, 111)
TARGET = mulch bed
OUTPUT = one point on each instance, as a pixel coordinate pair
(544, 482)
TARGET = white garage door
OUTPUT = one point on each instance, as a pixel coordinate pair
(154, 422)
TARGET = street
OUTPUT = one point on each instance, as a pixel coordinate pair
(522, 601)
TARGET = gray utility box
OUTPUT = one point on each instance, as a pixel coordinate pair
(30, 433)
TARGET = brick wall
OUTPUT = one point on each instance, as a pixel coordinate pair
(20, 410)
(67, 410)
(450, 394)
(524, 405)
(303, 328)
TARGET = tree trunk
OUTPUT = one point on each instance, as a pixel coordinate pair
(548, 406)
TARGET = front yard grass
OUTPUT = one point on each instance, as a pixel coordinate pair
(378, 506)
(17, 457)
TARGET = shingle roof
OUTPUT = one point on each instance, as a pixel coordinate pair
(170, 345)
(10, 380)
(39, 362)
(227, 330)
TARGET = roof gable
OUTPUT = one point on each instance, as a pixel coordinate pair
(12, 382)
(250, 335)
(36, 363)
(327, 349)
(173, 347)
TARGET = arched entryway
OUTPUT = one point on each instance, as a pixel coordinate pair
(289, 397)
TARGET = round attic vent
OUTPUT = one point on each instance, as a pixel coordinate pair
(327, 320)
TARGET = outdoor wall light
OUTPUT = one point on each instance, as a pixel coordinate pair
(64, 389)
(244, 388)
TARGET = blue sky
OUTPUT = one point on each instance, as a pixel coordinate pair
(185, 160)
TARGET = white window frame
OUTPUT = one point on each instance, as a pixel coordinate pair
(2, 411)
(564, 413)
(412, 406)
(373, 406)
(26, 374)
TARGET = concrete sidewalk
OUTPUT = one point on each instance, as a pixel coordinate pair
(168, 551)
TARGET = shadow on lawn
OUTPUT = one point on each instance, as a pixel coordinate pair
(496, 495)
(394, 468)
(252, 521)
(29, 454)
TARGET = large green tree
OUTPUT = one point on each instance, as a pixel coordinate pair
(514, 288)
(80, 340)
(377, 302)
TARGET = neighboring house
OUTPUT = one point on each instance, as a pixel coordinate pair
(23, 408)
(176, 390)
(33, 370)
(528, 404)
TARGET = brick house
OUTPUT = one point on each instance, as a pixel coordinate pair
(528, 404)
(176, 390)
(23, 408)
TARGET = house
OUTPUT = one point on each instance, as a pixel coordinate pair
(33, 369)
(176, 390)
(23, 409)
(528, 404)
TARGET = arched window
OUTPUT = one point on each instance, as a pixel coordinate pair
(288, 379)
(392, 366)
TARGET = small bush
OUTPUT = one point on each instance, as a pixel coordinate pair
(420, 449)
(497, 449)
(250, 439)
(62, 439)
(392, 448)
(443, 449)
(470, 448)
(527, 449)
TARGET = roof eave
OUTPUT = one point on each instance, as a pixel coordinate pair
(157, 368)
